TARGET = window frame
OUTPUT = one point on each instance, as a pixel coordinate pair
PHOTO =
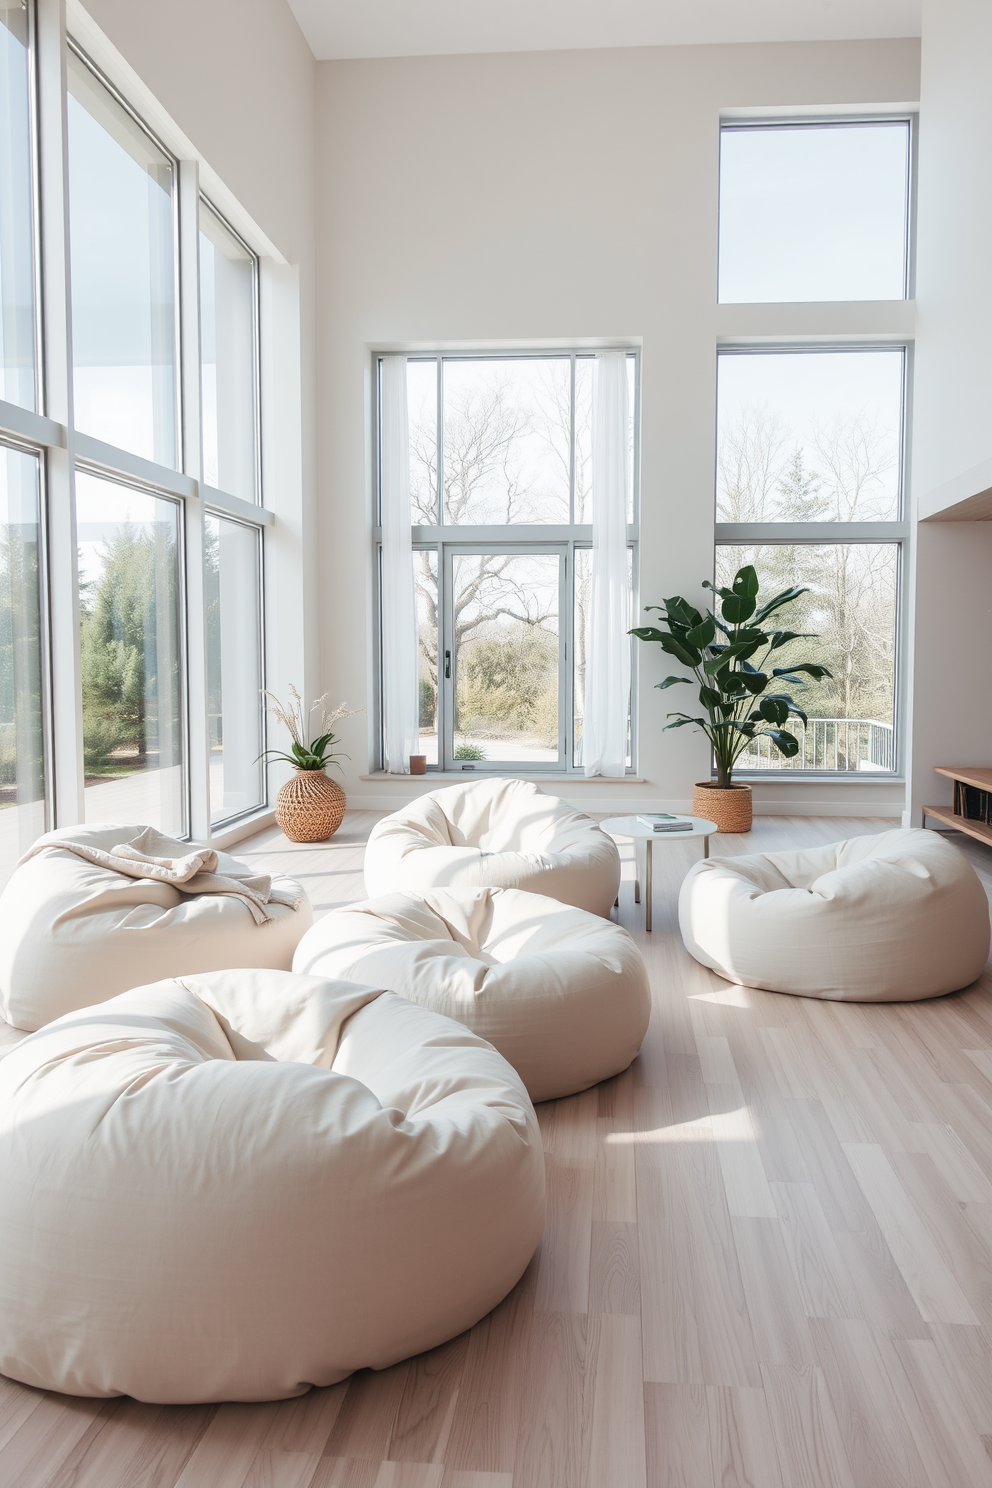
(839, 119)
(62, 449)
(527, 538)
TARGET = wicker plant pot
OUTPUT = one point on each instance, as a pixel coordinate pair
(310, 807)
(728, 806)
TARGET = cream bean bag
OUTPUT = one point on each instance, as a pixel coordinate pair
(73, 933)
(562, 994)
(499, 834)
(891, 918)
(235, 1186)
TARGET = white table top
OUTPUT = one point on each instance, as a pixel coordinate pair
(630, 826)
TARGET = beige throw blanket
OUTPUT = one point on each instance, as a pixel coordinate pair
(191, 870)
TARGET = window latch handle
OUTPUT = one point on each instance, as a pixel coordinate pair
(447, 664)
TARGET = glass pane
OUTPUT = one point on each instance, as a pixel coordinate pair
(421, 393)
(580, 633)
(583, 435)
(128, 546)
(22, 765)
(123, 282)
(505, 613)
(17, 384)
(506, 437)
(814, 212)
(851, 610)
(809, 436)
(425, 570)
(227, 358)
(234, 666)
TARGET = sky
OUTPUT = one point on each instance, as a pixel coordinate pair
(813, 213)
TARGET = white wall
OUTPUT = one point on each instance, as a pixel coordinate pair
(952, 698)
(547, 197)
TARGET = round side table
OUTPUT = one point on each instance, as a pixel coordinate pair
(631, 826)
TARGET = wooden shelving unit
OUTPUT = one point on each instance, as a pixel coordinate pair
(965, 775)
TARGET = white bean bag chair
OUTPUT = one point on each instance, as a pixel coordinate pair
(562, 994)
(494, 834)
(73, 933)
(891, 918)
(235, 1186)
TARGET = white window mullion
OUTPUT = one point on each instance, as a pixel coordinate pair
(67, 705)
(196, 650)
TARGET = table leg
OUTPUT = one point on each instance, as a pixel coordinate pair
(648, 865)
(706, 847)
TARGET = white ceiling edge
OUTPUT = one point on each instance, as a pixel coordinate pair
(352, 29)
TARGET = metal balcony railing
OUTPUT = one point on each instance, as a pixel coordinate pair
(828, 744)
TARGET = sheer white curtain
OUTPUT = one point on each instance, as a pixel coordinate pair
(400, 648)
(607, 691)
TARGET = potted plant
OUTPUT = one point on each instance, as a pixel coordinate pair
(740, 692)
(310, 806)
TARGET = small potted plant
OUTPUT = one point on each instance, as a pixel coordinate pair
(740, 693)
(310, 806)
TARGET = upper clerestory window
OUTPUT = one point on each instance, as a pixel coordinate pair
(814, 211)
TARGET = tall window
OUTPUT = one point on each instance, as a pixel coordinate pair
(228, 294)
(122, 229)
(500, 470)
(17, 261)
(810, 437)
(133, 569)
(129, 545)
(232, 597)
(22, 712)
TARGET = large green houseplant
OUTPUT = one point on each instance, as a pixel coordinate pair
(730, 656)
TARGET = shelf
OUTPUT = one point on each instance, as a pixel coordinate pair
(944, 814)
(967, 774)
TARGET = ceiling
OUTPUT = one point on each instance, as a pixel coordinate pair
(417, 28)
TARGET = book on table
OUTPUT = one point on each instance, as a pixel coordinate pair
(664, 821)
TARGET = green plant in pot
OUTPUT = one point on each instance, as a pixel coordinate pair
(731, 657)
(310, 806)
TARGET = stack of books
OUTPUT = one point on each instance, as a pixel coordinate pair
(663, 821)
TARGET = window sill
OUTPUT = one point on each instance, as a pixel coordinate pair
(226, 834)
(538, 779)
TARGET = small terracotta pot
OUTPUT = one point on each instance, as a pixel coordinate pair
(729, 806)
(310, 807)
(418, 764)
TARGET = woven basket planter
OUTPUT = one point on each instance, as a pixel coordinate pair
(310, 807)
(728, 806)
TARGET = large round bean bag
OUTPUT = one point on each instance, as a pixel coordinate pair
(73, 933)
(235, 1186)
(891, 918)
(499, 834)
(562, 994)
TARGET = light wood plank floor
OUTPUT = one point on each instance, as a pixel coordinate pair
(768, 1264)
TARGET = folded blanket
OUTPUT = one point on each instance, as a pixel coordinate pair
(191, 870)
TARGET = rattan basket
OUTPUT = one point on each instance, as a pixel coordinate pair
(310, 807)
(728, 806)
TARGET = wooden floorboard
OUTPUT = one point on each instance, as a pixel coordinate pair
(768, 1264)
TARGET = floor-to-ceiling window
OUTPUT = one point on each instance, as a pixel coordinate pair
(131, 511)
(811, 425)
